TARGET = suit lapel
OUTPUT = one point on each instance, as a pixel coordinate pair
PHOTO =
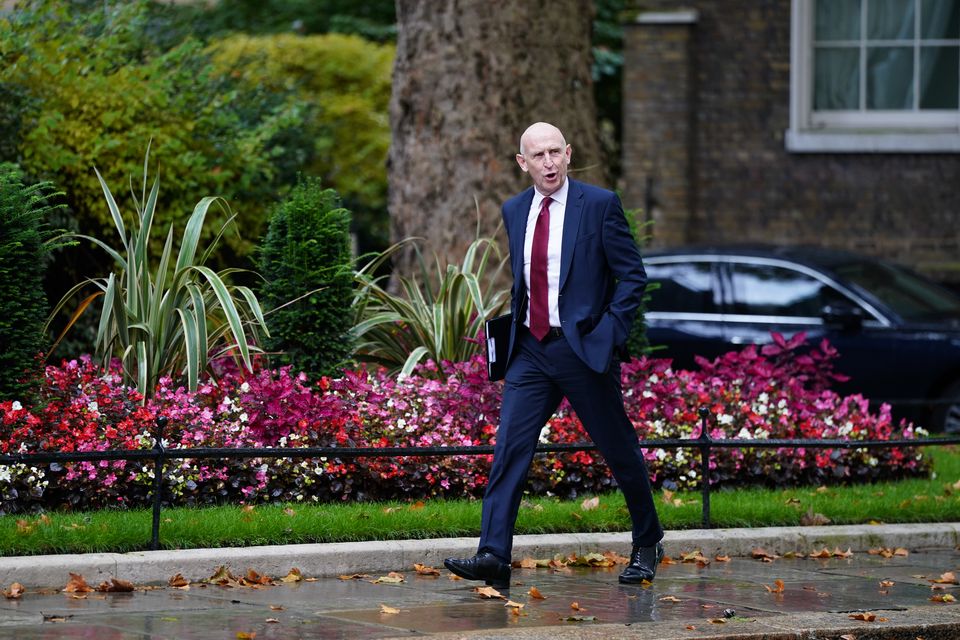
(571, 225)
(518, 230)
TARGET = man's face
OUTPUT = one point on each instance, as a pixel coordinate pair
(545, 157)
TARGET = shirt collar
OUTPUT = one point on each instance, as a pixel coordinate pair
(560, 195)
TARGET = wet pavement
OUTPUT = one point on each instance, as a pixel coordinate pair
(739, 597)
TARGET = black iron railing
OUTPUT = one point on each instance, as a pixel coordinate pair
(704, 443)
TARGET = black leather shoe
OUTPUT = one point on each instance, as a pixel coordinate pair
(483, 566)
(643, 564)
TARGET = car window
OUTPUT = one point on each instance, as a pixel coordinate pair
(909, 295)
(682, 288)
(770, 290)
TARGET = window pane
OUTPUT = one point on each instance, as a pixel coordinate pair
(684, 288)
(775, 291)
(890, 19)
(939, 77)
(837, 20)
(890, 78)
(836, 78)
(940, 19)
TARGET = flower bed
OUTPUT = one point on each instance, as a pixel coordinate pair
(776, 393)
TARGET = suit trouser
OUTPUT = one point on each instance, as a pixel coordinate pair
(537, 379)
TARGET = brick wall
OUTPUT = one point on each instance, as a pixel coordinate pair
(712, 143)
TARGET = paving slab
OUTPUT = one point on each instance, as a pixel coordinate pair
(737, 598)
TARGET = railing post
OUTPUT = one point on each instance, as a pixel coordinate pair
(157, 480)
(704, 446)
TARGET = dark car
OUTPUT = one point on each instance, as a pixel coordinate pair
(897, 332)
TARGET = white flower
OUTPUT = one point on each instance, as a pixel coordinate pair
(654, 378)
(647, 393)
(744, 434)
(245, 387)
(724, 418)
(16, 406)
(244, 417)
(544, 433)
(92, 407)
(763, 397)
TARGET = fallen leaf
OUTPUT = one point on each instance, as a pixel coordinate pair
(722, 558)
(55, 618)
(535, 594)
(255, 579)
(777, 587)
(115, 586)
(718, 620)
(590, 503)
(391, 578)
(822, 554)
(667, 560)
(848, 636)
(616, 558)
(293, 576)
(222, 577)
(793, 502)
(887, 583)
(389, 610)
(77, 585)
(14, 592)
(454, 576)
(276, 607)
(576, 606)
(592, 560)
(811, 519)
(355, 576)
(670, 599)
(511, 603)
(695, 556)
(762, 554)
(842, 554)
(246, 635)
(424, 570)
(419, 504)
(946, 578)
(865, 616)
(526, 563)
(901, 552)
(272, 621)
(24, 527)
(488, 592)
(576, 516)
(943, 597)
(794, 554)
(178, 582)
(290, 512)
(667, 495)
(691, 627)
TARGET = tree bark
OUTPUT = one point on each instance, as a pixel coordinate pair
(469, 77)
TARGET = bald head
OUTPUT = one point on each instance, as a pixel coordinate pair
(544, 154)
(538, 129)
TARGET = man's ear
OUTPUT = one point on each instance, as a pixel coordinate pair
(522, 162)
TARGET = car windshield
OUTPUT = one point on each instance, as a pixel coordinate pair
(909, 295)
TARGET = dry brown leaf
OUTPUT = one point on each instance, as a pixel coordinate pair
(812, 519)
(822, 554)
(222, 577)
(290, 512)
(720, 558)
(388, 610)
(670, 599)
(355, 576)
(391, 578)
(424, 570)
(272, 621)
(15, 591)
(535, 594)
(901, 552)
(293, 576)
(416, 506)
(762, 554)
(616, 558)
(946, 578)
(590, 503)
(276, 607)
(576, 606)
(943, 597)
(488, 592)
(777, 587)
(794, 554)
(842, 554)
(866, 616)
(77, 585)
(793, 502)
(667, 495)
(886, 584)
(526, 563)
(246, 635)
(254, 578)
(691, 627)
(695, 556)
(667, 560)
(178, 582)
(115, 586)
(718, 620)
(24, 527)
(515, 605)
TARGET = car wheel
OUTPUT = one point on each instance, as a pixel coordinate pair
(947, 415)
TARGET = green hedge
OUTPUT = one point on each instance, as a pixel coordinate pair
(306, 260)
(24, 247)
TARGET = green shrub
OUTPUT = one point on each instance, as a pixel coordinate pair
(166, 318)
(347, 81)
(308, 267)
(92, 88)
(24, 248)
(438, 316)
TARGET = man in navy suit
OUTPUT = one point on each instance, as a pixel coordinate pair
(577, 282)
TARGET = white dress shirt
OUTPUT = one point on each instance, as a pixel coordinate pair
(558, 206)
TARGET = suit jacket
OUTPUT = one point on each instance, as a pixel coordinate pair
(601, 273)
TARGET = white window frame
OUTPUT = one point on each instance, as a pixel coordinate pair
(853, 131)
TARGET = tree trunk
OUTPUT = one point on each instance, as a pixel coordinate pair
(469, 77)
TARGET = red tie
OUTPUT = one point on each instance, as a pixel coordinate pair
(539, 307)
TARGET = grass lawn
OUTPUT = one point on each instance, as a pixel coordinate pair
(924, 500)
